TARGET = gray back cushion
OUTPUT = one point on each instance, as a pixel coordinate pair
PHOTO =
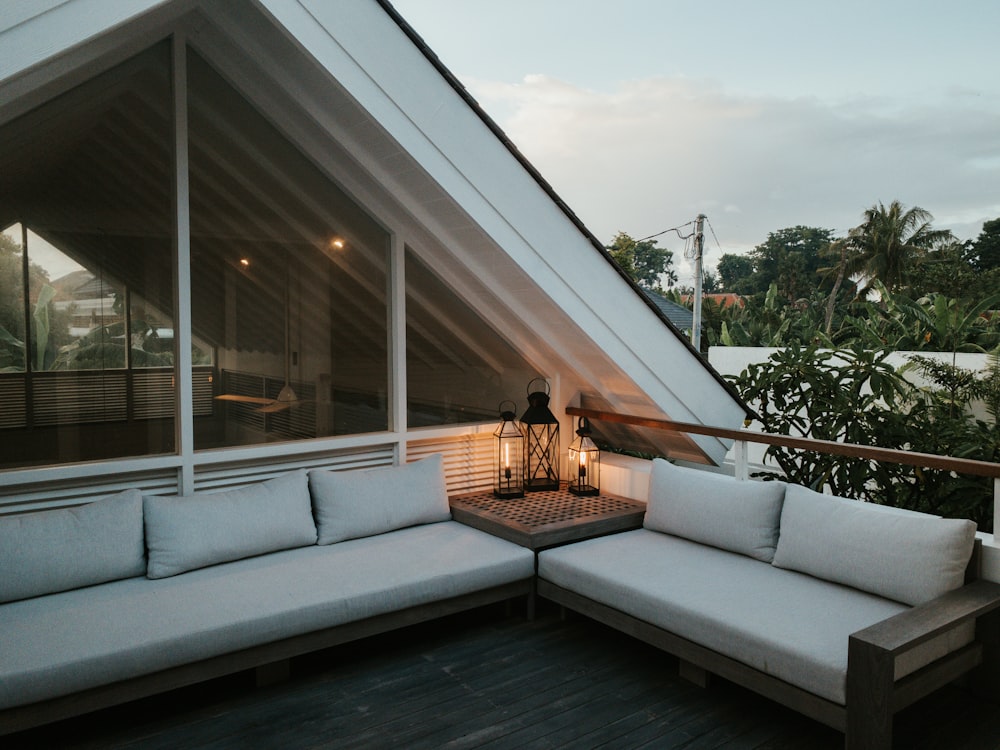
(353, 504)
(908, 557)
(185, 533)
(58, 550)
(715, 509)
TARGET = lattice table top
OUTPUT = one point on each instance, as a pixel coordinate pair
(542, 508)
(541, 519)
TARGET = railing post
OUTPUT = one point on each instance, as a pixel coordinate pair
(741, 460)
(996, 505)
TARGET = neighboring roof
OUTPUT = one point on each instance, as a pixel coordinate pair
(722, 299)
(681, 318)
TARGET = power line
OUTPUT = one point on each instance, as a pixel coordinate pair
(712, 230)
(672, 229)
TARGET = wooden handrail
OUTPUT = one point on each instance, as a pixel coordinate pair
(891, 455)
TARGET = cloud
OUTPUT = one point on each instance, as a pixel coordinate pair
(655, 152)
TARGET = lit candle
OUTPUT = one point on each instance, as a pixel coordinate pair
(506, 455)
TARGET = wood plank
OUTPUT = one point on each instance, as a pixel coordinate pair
(869, 694)
(480, 680)
(918, 624)
(871, 453)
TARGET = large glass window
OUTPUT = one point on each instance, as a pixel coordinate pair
(458, 367)
(289, 281)
(88, 229)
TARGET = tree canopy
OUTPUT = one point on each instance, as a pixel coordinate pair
(985, 251)
(643, 261)
(789, 258)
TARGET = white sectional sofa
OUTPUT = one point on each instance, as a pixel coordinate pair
(842, 610)
(128, 596)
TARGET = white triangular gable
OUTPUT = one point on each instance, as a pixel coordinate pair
(354, 88)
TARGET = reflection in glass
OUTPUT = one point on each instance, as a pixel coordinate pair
(289, 281)
(12, 315)
(86, 210)
(458, 367)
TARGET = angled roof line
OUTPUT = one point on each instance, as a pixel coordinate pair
(463, 92)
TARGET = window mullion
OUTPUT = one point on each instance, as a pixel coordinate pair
(183, 388)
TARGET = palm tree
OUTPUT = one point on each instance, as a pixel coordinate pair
(890, 244)
(849, 262)
(887, 247)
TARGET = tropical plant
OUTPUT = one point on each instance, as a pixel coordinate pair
(855, 395)
(44, 354)
(946, 423)
(771, 321)
(933, 322)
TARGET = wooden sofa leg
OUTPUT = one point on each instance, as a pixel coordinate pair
(273, 673)
(985, 679)
(870, 675)
(693, 673)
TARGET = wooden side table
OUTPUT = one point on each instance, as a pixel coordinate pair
(547, 519)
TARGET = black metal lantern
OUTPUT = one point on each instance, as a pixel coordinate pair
(541, 442)
(508, 441)
(584, 462)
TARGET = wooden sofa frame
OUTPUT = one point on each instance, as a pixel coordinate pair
(873, 693)
(270, 660)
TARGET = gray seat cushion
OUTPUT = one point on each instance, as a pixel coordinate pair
(67, 642)
(786, 624)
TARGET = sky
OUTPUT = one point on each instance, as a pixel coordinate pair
(761, 115)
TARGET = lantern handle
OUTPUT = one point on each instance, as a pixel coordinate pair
(511, 410)
(546, 382)
(583, 426)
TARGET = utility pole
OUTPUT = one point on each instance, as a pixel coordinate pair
(699, 247)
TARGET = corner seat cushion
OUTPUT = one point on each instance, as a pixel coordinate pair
(360, 503)
(56, 550)
(785, 624)
(186, 533)
(715, 509)
(909, 557)
(130, 628)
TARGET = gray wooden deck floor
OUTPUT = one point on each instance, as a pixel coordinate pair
(487, 680)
